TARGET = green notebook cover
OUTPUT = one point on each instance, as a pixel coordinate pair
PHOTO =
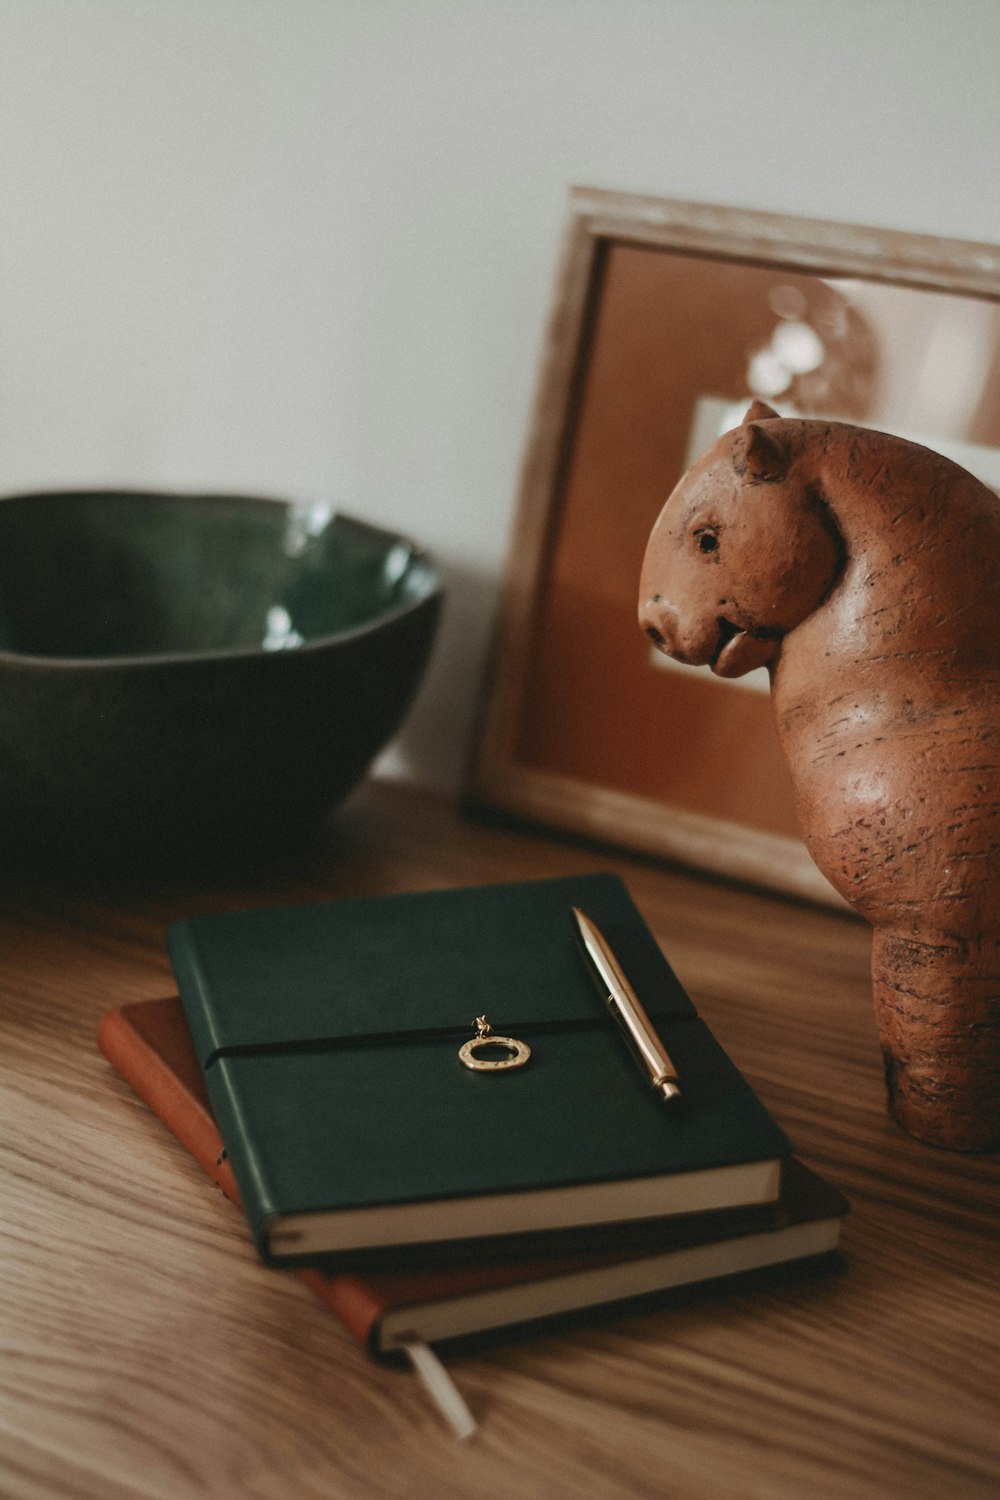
(329, 1036)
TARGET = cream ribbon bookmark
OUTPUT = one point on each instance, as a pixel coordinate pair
(440, 1387)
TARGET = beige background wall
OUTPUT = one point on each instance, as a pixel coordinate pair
(307, 246)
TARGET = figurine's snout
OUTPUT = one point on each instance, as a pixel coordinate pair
(659, 621)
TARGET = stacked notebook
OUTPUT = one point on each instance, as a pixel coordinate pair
(312, 1067)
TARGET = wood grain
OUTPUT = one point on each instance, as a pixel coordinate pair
(146, 1353)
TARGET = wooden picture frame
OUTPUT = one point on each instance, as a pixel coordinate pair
(661, 308)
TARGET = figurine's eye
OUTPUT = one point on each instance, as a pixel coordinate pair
(707, 541)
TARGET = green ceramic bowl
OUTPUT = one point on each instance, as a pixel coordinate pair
(186, 679)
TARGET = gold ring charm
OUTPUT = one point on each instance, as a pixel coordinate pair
(486, 1037)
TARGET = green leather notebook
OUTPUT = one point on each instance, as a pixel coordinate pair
(329, 1037)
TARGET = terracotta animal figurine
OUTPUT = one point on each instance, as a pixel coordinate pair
(864, 572)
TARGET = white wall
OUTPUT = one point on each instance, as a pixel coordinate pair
(307, 246)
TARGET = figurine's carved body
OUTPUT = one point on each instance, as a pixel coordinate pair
(864, 571)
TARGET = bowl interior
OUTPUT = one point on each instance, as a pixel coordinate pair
(127, 574)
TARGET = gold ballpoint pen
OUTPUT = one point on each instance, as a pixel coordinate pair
(625, 1006)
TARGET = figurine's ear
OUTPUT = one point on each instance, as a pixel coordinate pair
(760, 455)
(759, 411)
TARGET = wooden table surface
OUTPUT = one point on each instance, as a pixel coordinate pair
(147, 1353)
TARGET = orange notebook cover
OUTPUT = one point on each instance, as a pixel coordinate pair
(149, 1045)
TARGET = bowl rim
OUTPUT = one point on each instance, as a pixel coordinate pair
(135, 660)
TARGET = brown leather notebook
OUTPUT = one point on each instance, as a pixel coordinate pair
(149, 1045)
